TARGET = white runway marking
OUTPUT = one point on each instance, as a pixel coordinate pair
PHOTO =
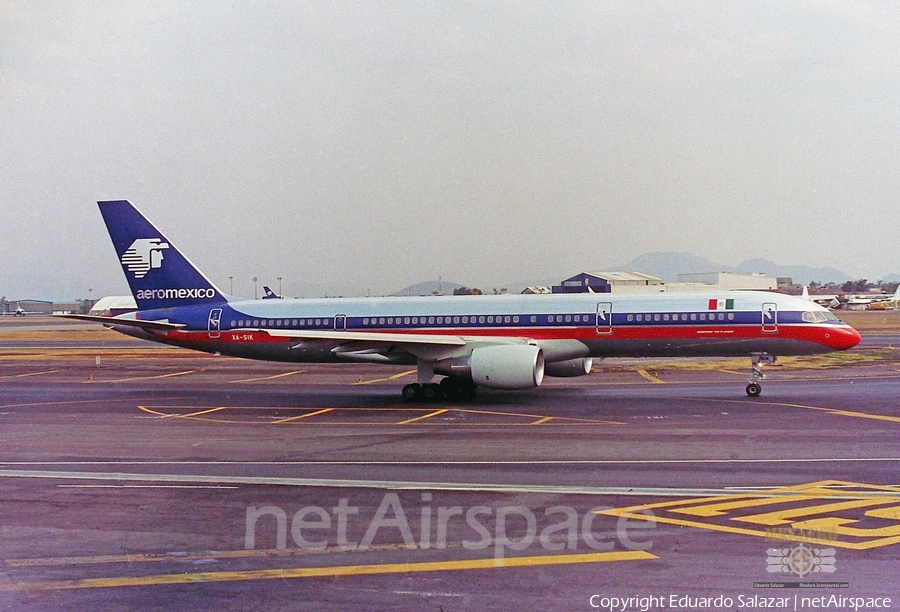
(207, 479)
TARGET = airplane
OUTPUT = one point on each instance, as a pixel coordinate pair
(21, 312)
(270, 295)
(829, 301)
(499, 342)
(876, 301)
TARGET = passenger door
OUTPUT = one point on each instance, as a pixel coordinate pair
(770, 318)
(214, 324)
(604, 318)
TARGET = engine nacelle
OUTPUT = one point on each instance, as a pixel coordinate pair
(508, 366)
(569, 368)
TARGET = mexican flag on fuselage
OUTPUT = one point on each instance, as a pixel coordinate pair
(727, 304)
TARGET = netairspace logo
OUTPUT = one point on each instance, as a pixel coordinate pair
(143, 255)
(800, 561)
(501, 529)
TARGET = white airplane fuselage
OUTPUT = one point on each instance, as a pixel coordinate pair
(565, 326)
(502, 342)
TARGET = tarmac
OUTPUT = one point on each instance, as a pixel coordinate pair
(134, 476)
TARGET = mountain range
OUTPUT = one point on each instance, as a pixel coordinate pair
(665, 265)
(668, 265)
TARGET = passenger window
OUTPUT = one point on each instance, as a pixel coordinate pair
(629, 318)
(656, 317)
(666, 317)
(516, 319)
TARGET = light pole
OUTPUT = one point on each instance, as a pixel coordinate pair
(279, 287)
(255, 290)
(231, 285)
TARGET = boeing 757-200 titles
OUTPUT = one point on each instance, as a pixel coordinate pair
(499, 342)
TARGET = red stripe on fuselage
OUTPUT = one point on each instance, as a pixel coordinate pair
(835, 337)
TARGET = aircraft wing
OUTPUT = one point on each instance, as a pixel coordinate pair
(108, 321)
(430, 347)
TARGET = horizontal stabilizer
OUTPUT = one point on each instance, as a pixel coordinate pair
(110, 321)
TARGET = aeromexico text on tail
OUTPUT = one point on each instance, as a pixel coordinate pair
(500, 342)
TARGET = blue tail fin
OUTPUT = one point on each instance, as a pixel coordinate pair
(158, 274)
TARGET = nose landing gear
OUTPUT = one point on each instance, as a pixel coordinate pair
(759, 360)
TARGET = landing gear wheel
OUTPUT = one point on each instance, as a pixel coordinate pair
(432, 393)
(412, 392)
(753, 389)
(458, 389)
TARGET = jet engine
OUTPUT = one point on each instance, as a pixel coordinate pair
(569, 368)
(515, 366)
(505, 366)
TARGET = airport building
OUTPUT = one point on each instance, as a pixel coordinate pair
(608, 282)
(633, 282)
(730, 280)
(114, 305)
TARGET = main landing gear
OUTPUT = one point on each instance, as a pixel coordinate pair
(453, 388)
(759, 360)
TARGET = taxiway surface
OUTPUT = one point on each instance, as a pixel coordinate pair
(135, 476)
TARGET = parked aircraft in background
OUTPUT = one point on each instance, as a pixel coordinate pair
(499, 342)
(268, 294)
(876, 301)
(829, 301)
(21, 312)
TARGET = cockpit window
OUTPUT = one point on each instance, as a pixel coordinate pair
(818, 316)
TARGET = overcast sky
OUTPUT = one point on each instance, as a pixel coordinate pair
(376, 144)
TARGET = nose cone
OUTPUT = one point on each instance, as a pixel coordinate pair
(842, 338)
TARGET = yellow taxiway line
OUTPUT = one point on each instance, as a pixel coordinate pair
(243, 380)
(327, 571)
(302, 416)
(394, 377)
(121, 380)
(651, 377)
(423, 417)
